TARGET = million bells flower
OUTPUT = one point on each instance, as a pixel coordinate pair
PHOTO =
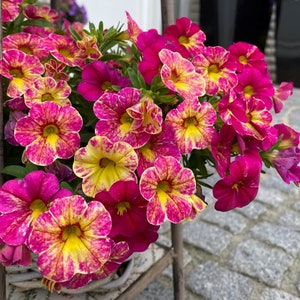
(111, 132)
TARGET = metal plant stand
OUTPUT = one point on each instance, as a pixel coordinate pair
(174, 254)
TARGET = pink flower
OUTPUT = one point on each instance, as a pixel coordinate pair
(49, 132)
(21, 69)
(243, 55)
(240, 186)
(71, 238)
(15, 255)
(10, 9)
(33, 12)
(281, 94)
(121, 120)
(98, 78)
(22, 201)
(128, 208)
(193, 124)
(168, 187)
(179, 75)
(186, 36)
(133, 29)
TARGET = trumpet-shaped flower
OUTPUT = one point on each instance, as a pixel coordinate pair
(48, 89)
(10, 9)
(102, 162)
(120, 118)
(55, 69)
(253, 84)
(28, 43)
(133, 29)
(21, 69)
(186, 36)
(281, 94)
(49, 132)
(168, 187)
(22, 201)
(98, 78)
(193, 124)
(15, 255)
(128, 208)
(88, 47)
(240, 186)
(179, 75)
(71, 238)
(162, 144)
(212, 65)
(244, 55)
(44, 12)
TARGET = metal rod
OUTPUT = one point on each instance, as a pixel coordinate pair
(2, 269)
(167, 13)
(178, 267)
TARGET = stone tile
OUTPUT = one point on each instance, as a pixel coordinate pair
(277, 235)
(290, 218)
(211, 281)
(155, 291)
(208, 237)
(259, 261)
(270, 196)
(274, 294)
(252, 210)
(231, 221)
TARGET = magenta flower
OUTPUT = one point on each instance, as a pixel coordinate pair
(98, 78)
(128, 208)
(71, 238)
(21, 69)
(133, 29)
(240, 186)
(179, 75)
(10, 9)
(49, 132)
(282, 93)
(193, 124)
(253, 84)
(22, 201)
(186, 36)
(120, 118)
(168, 187)
(15, 255)
(243, 55)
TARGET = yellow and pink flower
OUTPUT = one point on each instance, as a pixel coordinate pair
(49, 132)
(168, 187)
(103, 162)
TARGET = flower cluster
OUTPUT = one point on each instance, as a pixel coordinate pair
(110, 132)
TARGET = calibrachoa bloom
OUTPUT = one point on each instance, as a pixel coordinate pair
(168, 188)
(192, 122)
(111, 132)
(102, 163)
(48, 132)
(22, 201)
(71, 238)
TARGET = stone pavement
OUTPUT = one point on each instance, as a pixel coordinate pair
(251, 253)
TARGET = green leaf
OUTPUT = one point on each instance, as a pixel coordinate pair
(40, 23)
(15, 171)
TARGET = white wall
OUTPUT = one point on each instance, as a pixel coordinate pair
(146, 13)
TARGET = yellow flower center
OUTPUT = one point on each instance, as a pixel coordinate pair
(47, 97)
(248, 91)
(26, 49)
(183, 40)
(122, 207)
(50, 130)
(106, 162)
(163, 186)
(214, 72)
(243, 59)
(71, 232)
(191, 121)
(106, 86)
(37, 207)
(65, 52)
(16, 73)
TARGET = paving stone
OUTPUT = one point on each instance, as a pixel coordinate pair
(274, 294)
(252, 210)
(230, 220)
(217, 283)
(257, 260)
(208, 237)
(290, 219)
(270, 196)
(279, 236)
(154, 291)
